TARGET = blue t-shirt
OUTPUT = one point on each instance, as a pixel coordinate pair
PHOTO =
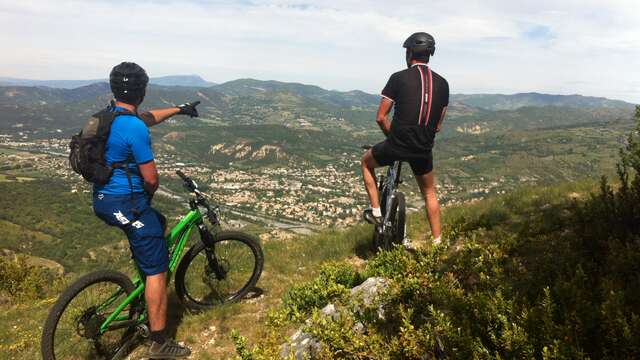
(129, 137)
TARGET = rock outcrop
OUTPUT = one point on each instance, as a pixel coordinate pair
(304, 346)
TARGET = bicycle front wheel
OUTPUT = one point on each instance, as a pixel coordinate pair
(72, 329)
(223, 273)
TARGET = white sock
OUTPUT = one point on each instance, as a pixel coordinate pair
(376, 212)
(437, 240)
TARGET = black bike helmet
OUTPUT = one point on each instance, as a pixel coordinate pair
(420, 46)
(128, 83)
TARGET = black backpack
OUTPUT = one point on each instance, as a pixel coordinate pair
(87, 148)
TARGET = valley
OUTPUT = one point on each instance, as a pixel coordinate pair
(284, 158)
(283, 162)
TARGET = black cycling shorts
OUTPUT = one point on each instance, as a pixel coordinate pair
(385, 154)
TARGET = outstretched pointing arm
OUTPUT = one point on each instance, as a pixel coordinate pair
(156, 116)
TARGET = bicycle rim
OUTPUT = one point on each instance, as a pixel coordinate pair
(76, 333)
(238, 262)
(399, 218)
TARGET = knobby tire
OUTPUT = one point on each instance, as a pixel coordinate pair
(188, 264)
(69, 294)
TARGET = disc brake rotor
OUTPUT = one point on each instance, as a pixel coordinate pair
(89, 323)
(212, 274)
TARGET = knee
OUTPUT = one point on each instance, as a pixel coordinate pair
(364, 163)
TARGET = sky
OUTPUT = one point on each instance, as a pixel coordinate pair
(491, 46)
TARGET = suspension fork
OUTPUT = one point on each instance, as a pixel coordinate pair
(210, 251)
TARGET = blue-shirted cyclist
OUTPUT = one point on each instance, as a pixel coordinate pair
(125, 201)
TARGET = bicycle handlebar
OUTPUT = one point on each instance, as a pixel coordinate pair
(188, 183)
(191, 185)
(366, 147)
(182, 175)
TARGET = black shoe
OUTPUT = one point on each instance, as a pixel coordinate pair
(368, 217)
(169, 350)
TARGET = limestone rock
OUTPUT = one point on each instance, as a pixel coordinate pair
(304, 346)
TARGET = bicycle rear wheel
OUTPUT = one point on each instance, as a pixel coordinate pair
(72, 329)
(227, 272)
(398, 218)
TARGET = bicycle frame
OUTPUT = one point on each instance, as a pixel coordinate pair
(388, 188)
(176, 241)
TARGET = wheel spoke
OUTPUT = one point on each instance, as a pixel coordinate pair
(80, 320)
(238, 264)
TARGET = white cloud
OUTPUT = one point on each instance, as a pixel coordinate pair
(589, 47)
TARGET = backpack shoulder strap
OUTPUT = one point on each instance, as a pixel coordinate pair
(123, 112)
(124, 165)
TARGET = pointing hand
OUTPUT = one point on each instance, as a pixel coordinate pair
(189, 109)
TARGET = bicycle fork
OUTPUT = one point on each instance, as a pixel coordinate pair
(213, 266)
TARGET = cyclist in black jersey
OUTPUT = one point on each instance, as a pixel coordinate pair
(419, 97)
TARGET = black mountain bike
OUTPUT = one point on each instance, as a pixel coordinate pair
(392, 206)
(103, 314)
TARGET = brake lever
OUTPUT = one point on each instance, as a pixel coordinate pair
(213, 212)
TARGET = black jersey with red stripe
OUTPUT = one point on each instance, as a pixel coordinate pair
(419, 95)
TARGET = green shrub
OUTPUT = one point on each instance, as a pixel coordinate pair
(334, 281)
(20, 281)
(531, 275)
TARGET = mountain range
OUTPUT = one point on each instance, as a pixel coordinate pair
(284, 122)
(250, 101)
(515, 101)
(171, 80)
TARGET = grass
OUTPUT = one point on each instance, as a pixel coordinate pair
(21, 329)
(511, 284)
(288, 263)
(295, 261)
(13, 178)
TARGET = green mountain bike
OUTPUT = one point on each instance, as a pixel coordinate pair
(102, 315)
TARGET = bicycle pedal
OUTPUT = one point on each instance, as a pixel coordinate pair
(368, 217)
(144, 331)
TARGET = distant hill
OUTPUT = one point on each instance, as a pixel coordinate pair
(294, 105)
(181, 80)
(252, 87)
(172, 80)
(516, 101)
(240, 102)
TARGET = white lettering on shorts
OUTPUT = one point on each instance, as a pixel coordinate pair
(137, 224)
(120, 217)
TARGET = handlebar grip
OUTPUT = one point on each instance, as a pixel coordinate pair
(182, 175)
(366, 147)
